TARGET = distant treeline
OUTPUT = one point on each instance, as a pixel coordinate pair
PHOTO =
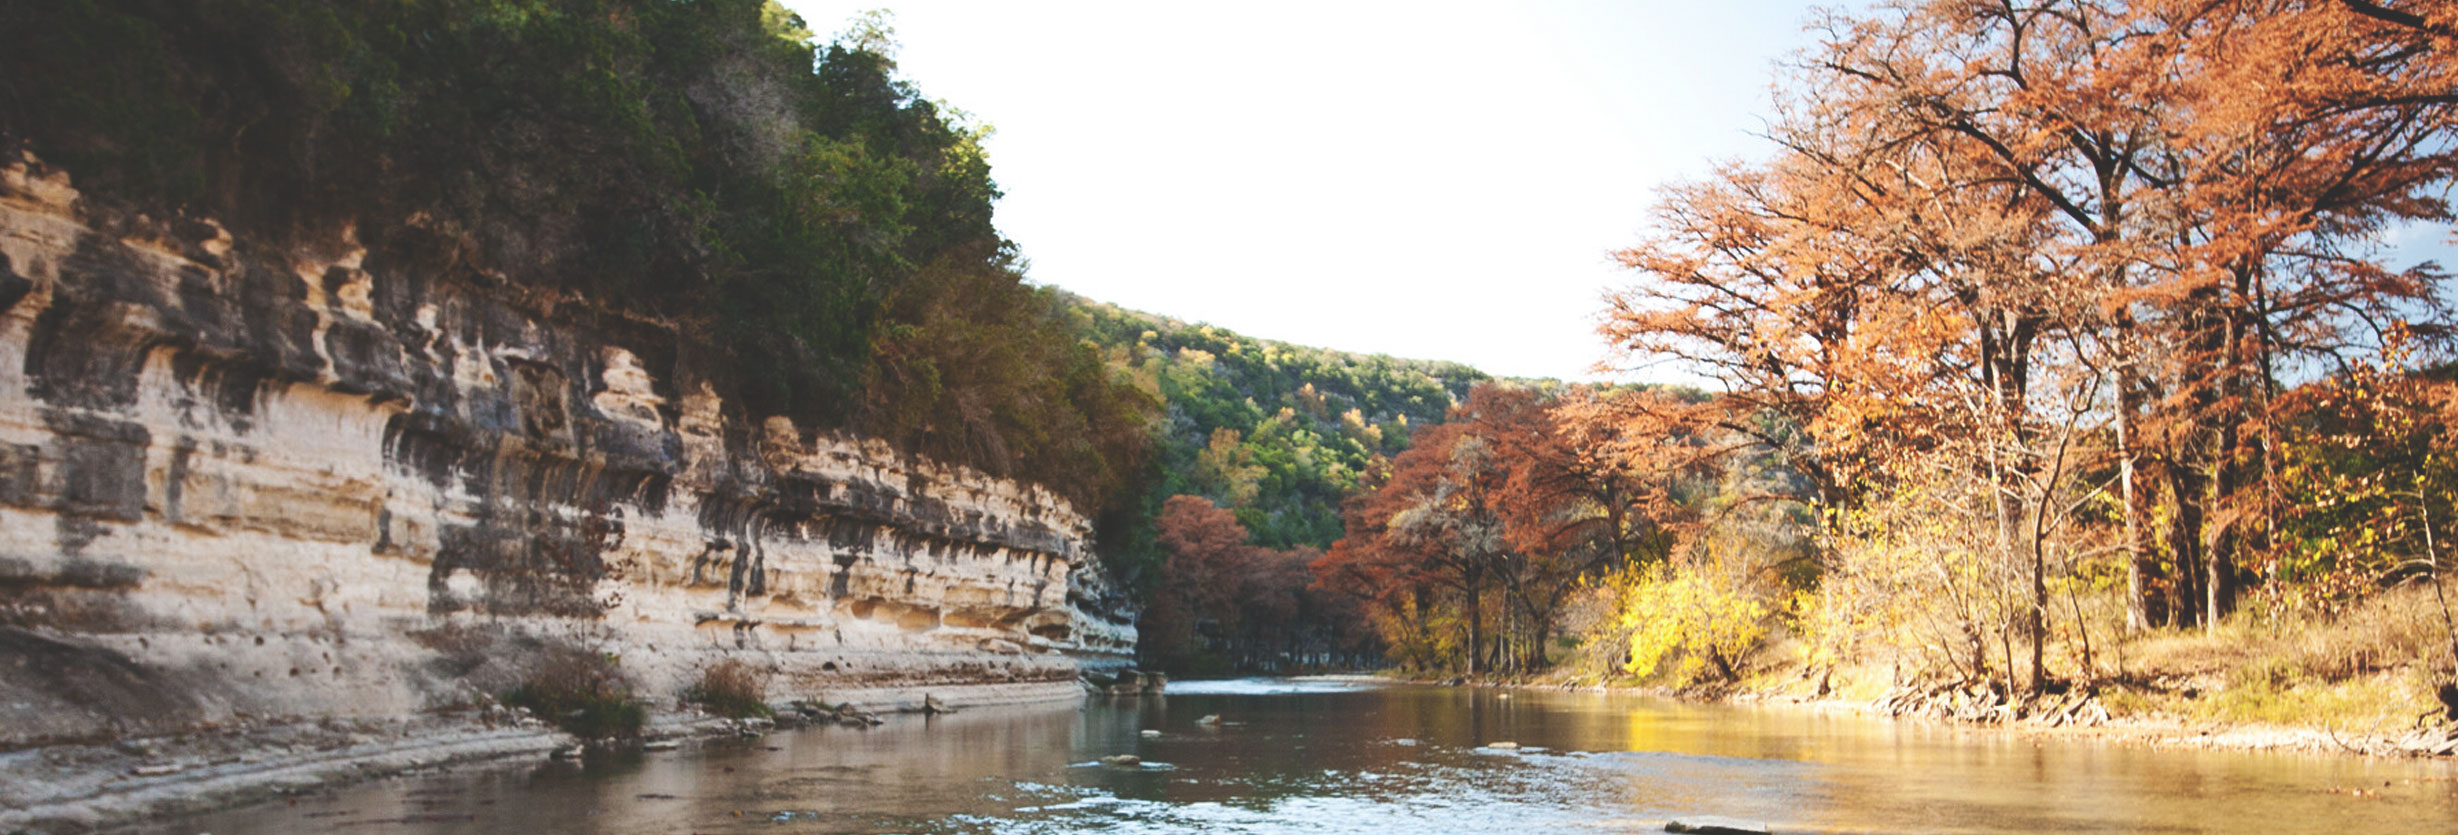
(1259, 445)
(1276, 433)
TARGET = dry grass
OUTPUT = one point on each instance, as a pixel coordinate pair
(2395, 629)
(732, 689)
(2373, 666)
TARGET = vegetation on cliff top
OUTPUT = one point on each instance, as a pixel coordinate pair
(800, 208)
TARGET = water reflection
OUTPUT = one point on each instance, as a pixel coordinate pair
(1338, 757)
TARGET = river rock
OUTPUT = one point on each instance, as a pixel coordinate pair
(661, 745)
(1122, 760)
(1716, 825)
(1503, 746)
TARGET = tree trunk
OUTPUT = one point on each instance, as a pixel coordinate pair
(1476, 615)
(2220, 583)
(2137, 600)
(2039, 616)
(2186, 493)
(2219, 560)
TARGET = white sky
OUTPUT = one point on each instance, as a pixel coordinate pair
(1429, 179)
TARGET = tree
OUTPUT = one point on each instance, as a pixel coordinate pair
(1498, 516)
(1225, 604)
(2013, 254)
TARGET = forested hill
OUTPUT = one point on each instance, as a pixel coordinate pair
(1277, 433)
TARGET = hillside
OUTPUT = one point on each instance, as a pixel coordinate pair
(1277, 433)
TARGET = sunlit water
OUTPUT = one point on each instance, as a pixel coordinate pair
(1312, 756)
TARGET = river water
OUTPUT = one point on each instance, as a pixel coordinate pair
(1322, 756)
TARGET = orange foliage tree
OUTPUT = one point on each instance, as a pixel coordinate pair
(1466, 551)
(2060, 251)
(1226, 605)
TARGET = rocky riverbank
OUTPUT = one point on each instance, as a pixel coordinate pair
(2072, 715)
(81, 787)
(2083, 717)
(274, 515)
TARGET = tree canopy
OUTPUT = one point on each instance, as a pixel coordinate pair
(800, 208)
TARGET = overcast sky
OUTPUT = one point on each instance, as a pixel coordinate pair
(1424, 179)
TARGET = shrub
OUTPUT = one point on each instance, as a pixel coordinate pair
(1697, 621)
(582, 692)
(730, 688)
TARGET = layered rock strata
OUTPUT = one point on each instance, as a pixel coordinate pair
(241, 483)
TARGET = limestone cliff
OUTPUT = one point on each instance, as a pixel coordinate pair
(244, 482)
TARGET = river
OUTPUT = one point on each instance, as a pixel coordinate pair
(1326, 756)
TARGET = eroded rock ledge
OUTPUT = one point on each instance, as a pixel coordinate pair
(245, 485)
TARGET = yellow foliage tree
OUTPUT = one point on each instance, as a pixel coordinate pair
(1695, 619)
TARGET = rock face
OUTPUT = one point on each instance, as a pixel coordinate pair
(238, 483)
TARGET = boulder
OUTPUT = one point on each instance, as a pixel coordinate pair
(1716, 825)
